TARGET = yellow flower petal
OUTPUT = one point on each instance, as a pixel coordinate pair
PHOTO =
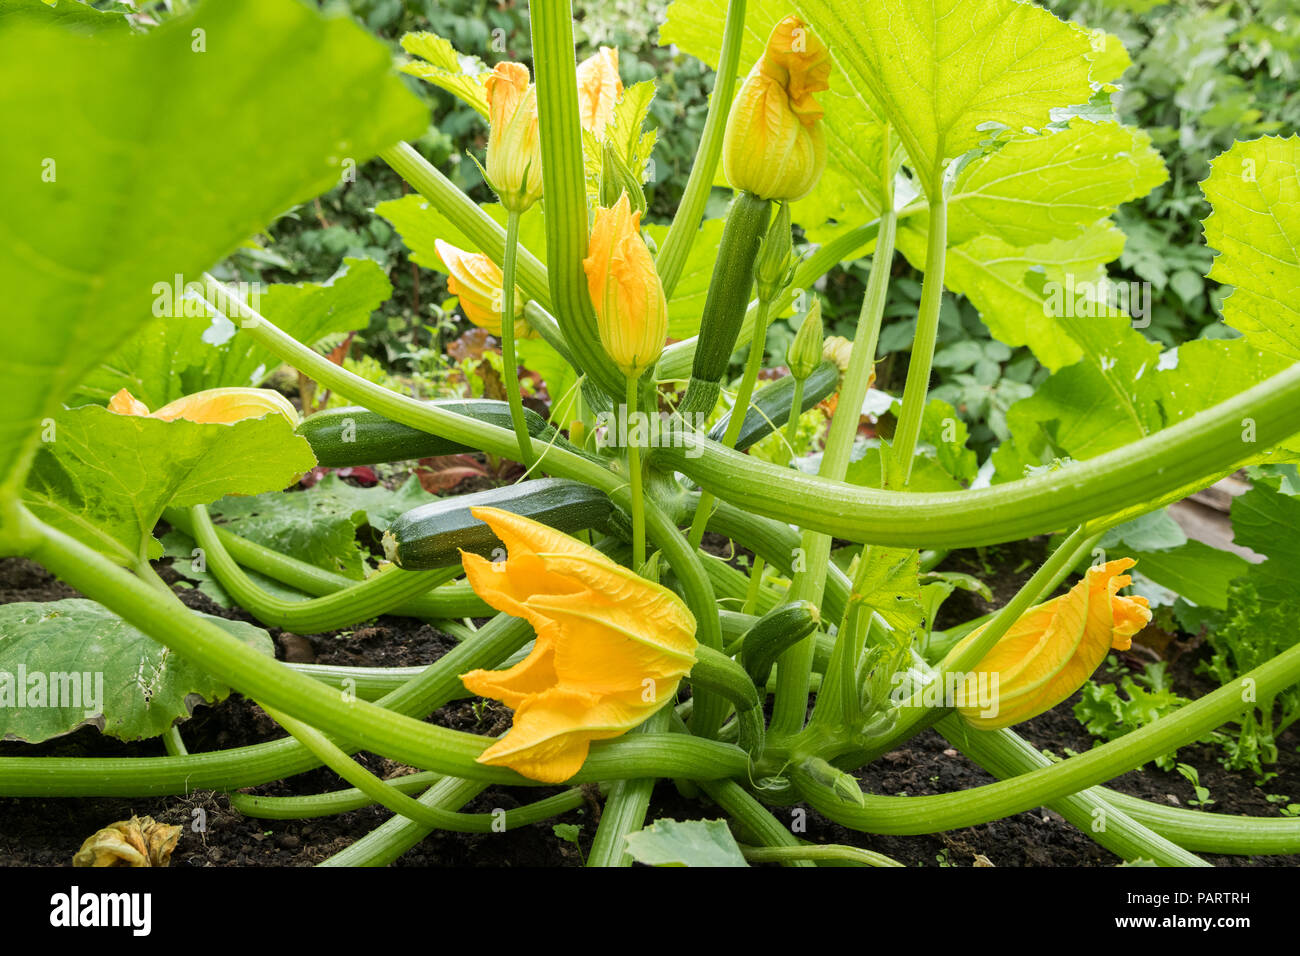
(774, 145)
(599, 87)
(1054, 647)
(514, 157)
(222, 406)
(124, 403)
(478, 281)
(611, 647)
(625, 289)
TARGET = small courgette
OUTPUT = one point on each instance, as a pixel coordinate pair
(434, 534)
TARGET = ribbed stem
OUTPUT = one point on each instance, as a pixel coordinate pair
(508, 358)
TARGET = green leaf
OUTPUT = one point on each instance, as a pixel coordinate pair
(927, 473)
(444, 67)
(319, 524)
(1010, 285)
(92, 667)
(941, 70)
(118, 180)
(1040, 187)
(889, 585)
(686, 308)
(1154, 531)
(1265, 520)
(171, 357)
(1255, 190)
(105, 478)
(1198, 572)
(420, 224)
(943, 429)
(71, 15)
(690, 843)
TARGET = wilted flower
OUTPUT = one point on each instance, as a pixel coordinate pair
(135, 842)
(611, 646)
(774, 145)
(477, 280)
(599, 87)
(514, 156)
(1054, 647)
(631, 310)
(222, 406)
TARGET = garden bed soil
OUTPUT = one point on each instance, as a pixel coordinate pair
(47, 832)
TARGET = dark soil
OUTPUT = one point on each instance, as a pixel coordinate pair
(47, 832)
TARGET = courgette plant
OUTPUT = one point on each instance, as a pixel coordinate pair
(973, 138)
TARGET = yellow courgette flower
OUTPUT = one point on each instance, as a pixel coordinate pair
(631, 310)
(477, 280)
(514, 155)
(1053, 648)
(611, 646)
(221, 406)
(599, 87)
(775, 146)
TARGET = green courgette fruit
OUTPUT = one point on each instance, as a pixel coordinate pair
(775, 631)
(343, 437)
(727, 300)
(770, 408)
(433, 535)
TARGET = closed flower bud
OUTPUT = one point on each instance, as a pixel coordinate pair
(599, 88)
(476, 280)
(631, 311)
(772, 267)
(213, 406)
(805, 352)
(514, 156)
(616, 178)
(1051, 650)
(775, 146)
(611, 646)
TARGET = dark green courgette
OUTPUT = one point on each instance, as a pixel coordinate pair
(770, 408)
(775, 631)
(727, 299)
(343, 437)
(433, 535)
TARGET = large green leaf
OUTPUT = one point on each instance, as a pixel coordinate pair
(76, 663)
(942, 71)
(1265, 520)
(171, 357)
(1018, 290)
(132, 159)
(444, 67)
(72, 15)
(105, 478)
(1255, 190)
(1045, 186)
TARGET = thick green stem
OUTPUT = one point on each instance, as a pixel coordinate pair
(739, 409)
(753, 817)
(796, 412)
(686, 223)
(564, 189)
(634, 478)
(971, 807)
(388, 842)
(1005, 755)
(373, 728)
(508, 358)
(795, 665)
(927, 330)
(834, 854)
(383, 591)
(625, 807)
(453, 600)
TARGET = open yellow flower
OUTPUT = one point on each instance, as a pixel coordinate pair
(1054, 647)
(611, 646)
(631, 310)
(599, 87)
(477, 280)
(514, 155)
(775, 146)
(220, 406)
